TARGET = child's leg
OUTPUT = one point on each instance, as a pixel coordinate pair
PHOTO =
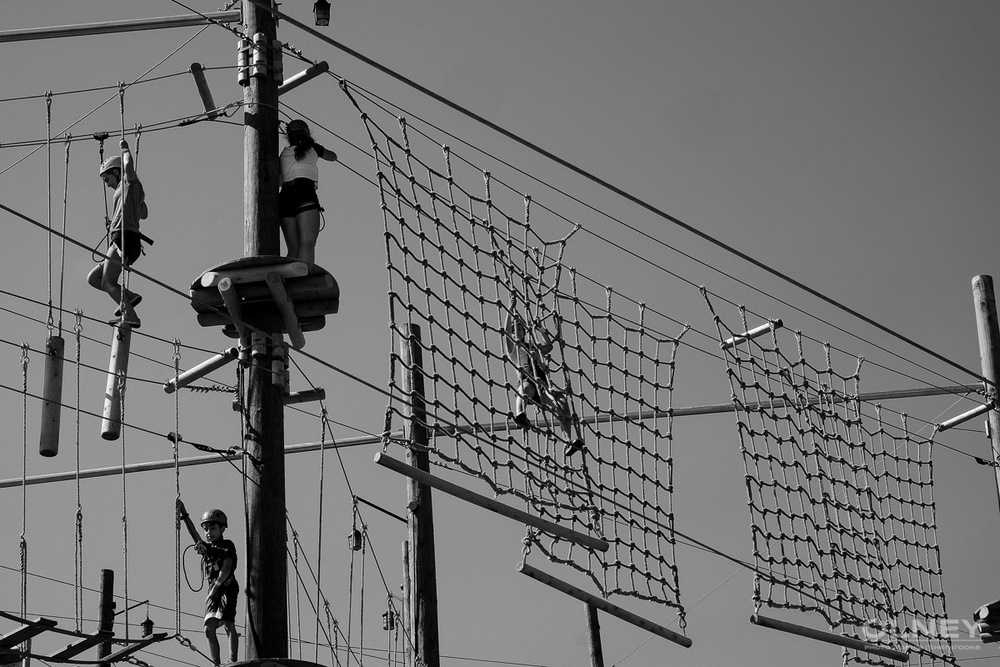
(234, 641)
(213, 641)
(291, 231)
(96, 277)
(308, 224)
(111, 271)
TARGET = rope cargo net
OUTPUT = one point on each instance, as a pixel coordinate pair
(841, 502)
(499, 307)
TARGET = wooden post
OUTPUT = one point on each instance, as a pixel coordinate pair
(405, 605)
(111, 426)
(48, 439)
(267, 570)
(423, 570)
(989, 357)
(594, 628)
(106, 612)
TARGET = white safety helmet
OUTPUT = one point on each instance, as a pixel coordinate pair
(113, 162)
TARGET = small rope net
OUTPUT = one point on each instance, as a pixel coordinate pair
(536, 385)
(841, 503)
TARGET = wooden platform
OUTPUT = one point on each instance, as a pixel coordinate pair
(292, 295)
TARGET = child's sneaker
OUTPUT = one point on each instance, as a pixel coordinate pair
(133, 300)
(573, 447)
(521, 419)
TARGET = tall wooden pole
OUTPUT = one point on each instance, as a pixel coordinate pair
(989, 356)
(423, 570)
(106, 612)
(266, 583)
(594, 628)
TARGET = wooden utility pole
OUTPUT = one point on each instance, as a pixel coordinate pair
(266, 583)
(423, 617)
(106, 612)
(989, 357)
(594, 628)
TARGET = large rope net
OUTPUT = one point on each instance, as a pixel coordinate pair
(535, 384)
(841, 502)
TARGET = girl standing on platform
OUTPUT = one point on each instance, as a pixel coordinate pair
(298, 203)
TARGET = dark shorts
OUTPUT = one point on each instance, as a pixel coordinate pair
(225, 610)
(132, 248)
(297, 196)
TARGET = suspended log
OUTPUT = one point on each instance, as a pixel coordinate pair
(111, 425)
(48, 440)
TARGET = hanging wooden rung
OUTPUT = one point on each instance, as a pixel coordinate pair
(80, 646)
(111, 425)
(604, 605)
(485, 502)
(48, 439)
(28, 630)
(831, 638)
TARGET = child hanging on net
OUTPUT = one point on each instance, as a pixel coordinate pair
(219, 559)
(124, 239)
(529, 350)
(298, 203)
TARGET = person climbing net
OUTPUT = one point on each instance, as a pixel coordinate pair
(529, 350)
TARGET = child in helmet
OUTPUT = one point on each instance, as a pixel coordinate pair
(124, 241)
(298, 204)
(219, 559)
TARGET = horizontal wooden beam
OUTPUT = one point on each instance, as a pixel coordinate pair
(831, 638)
(488, 503)
(604, 605)
(132, 25)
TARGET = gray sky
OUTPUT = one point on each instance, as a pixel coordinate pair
(851, 145)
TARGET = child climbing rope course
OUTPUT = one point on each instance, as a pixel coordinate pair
(124, 239)
(529, 351)
(219, 559)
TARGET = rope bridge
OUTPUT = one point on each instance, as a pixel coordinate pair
(539, 388)
(841, 503)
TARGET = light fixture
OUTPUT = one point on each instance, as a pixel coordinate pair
(321, 10)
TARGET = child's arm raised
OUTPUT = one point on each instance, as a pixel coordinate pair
(186, 518)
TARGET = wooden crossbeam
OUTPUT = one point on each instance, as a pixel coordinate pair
(490, 504)
(604, 605)
(28, 630)
(123, 653)
(80, 645)
(831, 638)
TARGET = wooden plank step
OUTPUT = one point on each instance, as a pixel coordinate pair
(28, 630)
(81, 645)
